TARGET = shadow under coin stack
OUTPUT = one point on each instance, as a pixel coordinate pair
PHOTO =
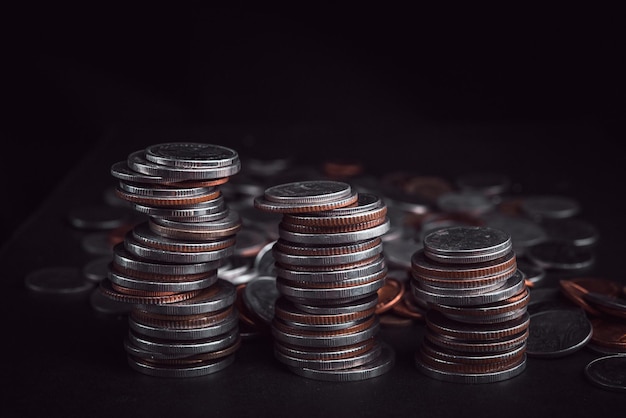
(475, 297)
(182, 321)
(329, 266)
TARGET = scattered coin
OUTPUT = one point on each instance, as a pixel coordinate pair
(58, 280)
(558, 332)
(608, 372)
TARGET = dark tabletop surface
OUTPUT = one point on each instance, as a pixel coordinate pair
(397, 95)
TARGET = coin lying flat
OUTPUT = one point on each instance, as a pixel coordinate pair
(306, 196)
(558, 332)
(380, 365)
(191, 154)
(467, 244)
(58, 280)
(608, 372)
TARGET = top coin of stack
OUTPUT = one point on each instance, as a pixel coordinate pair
(182, 321)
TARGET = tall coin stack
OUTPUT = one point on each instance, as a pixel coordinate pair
(466, 277)
(182, 321)
(329, 266)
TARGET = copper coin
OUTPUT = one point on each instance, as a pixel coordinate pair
(389, 294)
(609, 333)
(408, 306)
(575, 288)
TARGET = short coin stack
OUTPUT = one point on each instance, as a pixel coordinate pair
(329, 266)
(476, 298)
(182, 321)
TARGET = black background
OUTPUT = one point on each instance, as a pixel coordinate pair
(360, 78)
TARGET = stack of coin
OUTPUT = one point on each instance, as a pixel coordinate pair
(329, 265)
(477, 324)
(182, 319)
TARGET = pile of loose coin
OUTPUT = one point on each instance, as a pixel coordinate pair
(475, 298)
(329, 265)
(182, 320)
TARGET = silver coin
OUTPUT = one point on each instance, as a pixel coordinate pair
(58, 280)
(122, 171)
(190, 347)
(238, 270)
(366, 202)
(160, 286)
(375, 266)
(220, 295)
(186, 213)
(550, 207)
(353, 289)
(353, 306)
(186, 334)
(557, 332)
(201, 369)
(125, 259)
(260, 295)
(143, 234)
(308, 192)
(327, 260)
(137, 162)
(143, 251)
(231, 220)
(264, 262)
(335, 238)
(378, 367)
(466, 244)
(460, 377)
(325, 340)
(141, 190)
(191, 154)
(608, 372)
(524, 232)
(261, 203)
(511, 286)
(335, 364)
(555, 255)
(220, 211)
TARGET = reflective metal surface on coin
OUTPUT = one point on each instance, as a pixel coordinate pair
(259, 295)
(381, 365)
(555, 255)
(191, 154)
(468, 244)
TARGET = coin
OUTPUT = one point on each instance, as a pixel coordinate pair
(608, 372)
(558, 332)
(58, 280)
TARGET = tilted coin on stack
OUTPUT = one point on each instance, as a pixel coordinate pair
(329, 265)
(182, 320)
